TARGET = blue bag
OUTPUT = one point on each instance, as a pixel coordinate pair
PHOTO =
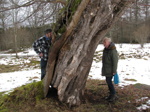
(116, 78)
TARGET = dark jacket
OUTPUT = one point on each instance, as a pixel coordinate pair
(42, 45)
(109, 60)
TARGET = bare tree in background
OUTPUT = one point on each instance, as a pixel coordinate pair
(15, 26)
(36, 15)
(133, 18)
(141, 35)
(42, 14)
(3, 20)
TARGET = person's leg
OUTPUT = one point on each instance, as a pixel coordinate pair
(112, 97)
(110, 85)
(43, 68)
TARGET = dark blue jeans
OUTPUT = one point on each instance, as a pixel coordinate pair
(110, 85)
(43, 68)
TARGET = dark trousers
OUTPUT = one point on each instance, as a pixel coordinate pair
(110, 85)
(43, 68)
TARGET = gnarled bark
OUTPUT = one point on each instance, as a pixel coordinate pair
(71, 56)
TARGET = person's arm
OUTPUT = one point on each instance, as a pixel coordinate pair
(36, 46)
(114, 61)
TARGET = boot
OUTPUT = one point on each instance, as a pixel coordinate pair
(108, 97)
(113, 98)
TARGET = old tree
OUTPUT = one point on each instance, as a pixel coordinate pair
(83, 25)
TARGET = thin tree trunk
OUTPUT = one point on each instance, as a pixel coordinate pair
(15, 31)
(71, 56)
(15, 39)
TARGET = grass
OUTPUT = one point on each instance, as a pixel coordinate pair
(13, 51)
(142, 86)
(122, 56)
(130, 80)
(9, 68)
(29, 98)
(97, 56)
(12, 68)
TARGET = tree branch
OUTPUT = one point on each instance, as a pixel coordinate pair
(29, 3)
(58, 1)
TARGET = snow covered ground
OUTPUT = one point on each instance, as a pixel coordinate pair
(133, 67)
(8, 81)
(11, 80)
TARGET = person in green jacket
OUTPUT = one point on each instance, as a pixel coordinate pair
(109, 68)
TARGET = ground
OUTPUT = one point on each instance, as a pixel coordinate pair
(133, 89)
(29, 98)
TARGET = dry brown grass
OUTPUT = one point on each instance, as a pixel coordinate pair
(29, 98)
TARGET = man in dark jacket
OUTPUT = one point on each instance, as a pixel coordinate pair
(41, 47)
(109, 68)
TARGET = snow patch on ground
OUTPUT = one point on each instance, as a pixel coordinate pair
(143, 98)
(143, 106)
(26, 53)
(13, 61)
(12, 80)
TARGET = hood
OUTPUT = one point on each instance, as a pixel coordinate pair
(111, 46)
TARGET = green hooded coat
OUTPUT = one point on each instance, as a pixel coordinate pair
(109, 60)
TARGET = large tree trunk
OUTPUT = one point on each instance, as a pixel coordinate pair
(71, 56)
